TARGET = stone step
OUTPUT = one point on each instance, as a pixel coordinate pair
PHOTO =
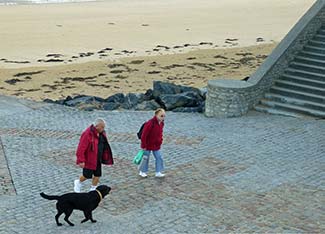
(300, 87)
(313, 55)
(317, 43)
(304, 81)
(273, 111)
(316, 40)
(292, 108)
(315, 49)
(307, 67)
(295, 101)
(321, 32)
(297, 94)
(311, 61)
(305, 74)
(319, 37)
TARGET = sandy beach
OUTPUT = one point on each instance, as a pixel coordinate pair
(101, 48)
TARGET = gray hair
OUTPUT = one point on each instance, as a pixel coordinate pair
(99, 121)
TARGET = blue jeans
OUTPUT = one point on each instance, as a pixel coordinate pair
(144, 165)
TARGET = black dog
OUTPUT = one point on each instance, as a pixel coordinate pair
(86, 202)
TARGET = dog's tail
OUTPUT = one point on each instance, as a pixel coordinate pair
(43, 195)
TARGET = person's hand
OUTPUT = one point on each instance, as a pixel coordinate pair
(82, 165)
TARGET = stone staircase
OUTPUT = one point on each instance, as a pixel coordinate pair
(300, 91)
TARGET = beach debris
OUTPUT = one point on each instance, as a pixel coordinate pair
(260, 39)
(13, 81)
(220, 56)
(136, 62)
(205, 43)
(163, 47)
(28, 73)
(18, 62)
(117, 71)
(54, 55)
(115, 65)
(154, 72)
(231, 39)
(87, 54)
(173, 66)
(52, 60)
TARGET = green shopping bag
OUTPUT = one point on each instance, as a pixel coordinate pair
(137, 159)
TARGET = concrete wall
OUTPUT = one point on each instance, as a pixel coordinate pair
(233, 98)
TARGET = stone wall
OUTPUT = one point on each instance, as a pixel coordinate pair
(233, 98)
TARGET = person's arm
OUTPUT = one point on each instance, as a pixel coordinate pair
(145, 133)
(162, 133)
(82, 147)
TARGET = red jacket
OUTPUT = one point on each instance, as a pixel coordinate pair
(152, 134)
(88, 149)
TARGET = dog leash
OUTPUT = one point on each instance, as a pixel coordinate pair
(100, 195)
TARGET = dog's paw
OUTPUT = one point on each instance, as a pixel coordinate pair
(71, 224)
(94, 221)
(59, 224)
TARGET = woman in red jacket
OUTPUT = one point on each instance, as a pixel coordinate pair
(93, 151)
(151, 140)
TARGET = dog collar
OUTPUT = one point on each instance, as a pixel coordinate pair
(100, 195)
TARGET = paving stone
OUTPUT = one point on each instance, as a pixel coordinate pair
(258, 173)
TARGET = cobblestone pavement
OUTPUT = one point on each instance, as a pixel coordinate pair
(259, 173)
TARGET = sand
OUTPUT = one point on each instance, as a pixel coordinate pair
(72, 48)
(135, 74)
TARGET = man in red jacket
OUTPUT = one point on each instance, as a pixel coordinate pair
(151, 140)
(93, 150)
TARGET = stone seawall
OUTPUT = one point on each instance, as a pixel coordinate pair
(233, 98)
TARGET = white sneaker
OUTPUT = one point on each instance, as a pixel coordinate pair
(142, 174)
(92, 188)
(159, 174)
(77, 186)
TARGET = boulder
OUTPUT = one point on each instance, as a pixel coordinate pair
(88, 108)
(141, 97)
(116, 98)
(147, 105)
(99, 99)
(80, 100)
(173, 97)
(47, 100)
(60, 102)
(69, 98)
(190, 89)
(131, 100)
(111, 106)
(148, 95)
(187, 99)
(203, 92)
(162, 88)
(199, 109)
